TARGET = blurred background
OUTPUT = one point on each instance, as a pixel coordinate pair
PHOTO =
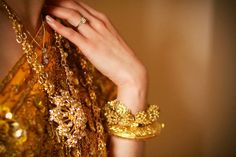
(189, 48)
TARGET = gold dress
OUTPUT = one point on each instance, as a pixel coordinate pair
(25, 129)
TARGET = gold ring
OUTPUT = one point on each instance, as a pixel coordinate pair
(82, 21)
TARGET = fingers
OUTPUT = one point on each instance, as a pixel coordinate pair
(94, 21)
(98, 15)
(73, 17)
(102, 17)
(93, 12)
(98, 25)
(67, 32)
(74, 6)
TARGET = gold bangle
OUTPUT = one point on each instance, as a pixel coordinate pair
(121, 122)
(136, 133)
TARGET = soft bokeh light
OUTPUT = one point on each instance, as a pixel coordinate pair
(188, 48)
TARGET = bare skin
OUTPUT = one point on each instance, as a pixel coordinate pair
(10, 50)
(100, 43)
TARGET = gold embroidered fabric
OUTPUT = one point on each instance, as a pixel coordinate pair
(25, 129)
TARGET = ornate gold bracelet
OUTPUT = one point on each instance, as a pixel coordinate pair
(122, 123)
(137, 133)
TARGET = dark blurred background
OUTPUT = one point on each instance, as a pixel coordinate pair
(189, 48)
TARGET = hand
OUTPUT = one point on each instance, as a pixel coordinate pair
(107, 51)
(103, 46)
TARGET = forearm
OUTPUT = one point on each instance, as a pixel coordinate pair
(135, 99)
(126, 148)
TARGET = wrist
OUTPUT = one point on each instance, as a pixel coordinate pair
(133, 96)
(133, 91)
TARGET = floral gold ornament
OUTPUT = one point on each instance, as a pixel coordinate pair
(68, 112)
(52, 100)
(122, 123)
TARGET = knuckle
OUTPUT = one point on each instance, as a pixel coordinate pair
(99, 25)
(71, 3)
(68, 3)
(72, 14)
(92, 47)
(104, 17)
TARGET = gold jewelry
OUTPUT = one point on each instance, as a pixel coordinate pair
(136, 133)
(82, 21)
(43, 47)
(33, 38)
(37, 33)
(86, 67)
(121, 122)
(68, 112)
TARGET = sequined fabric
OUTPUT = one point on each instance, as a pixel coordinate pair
(25, 129)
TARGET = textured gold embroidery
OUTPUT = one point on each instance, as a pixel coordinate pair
(12, 72)
(25, 106)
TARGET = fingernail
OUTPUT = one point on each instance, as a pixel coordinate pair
(49, 19)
